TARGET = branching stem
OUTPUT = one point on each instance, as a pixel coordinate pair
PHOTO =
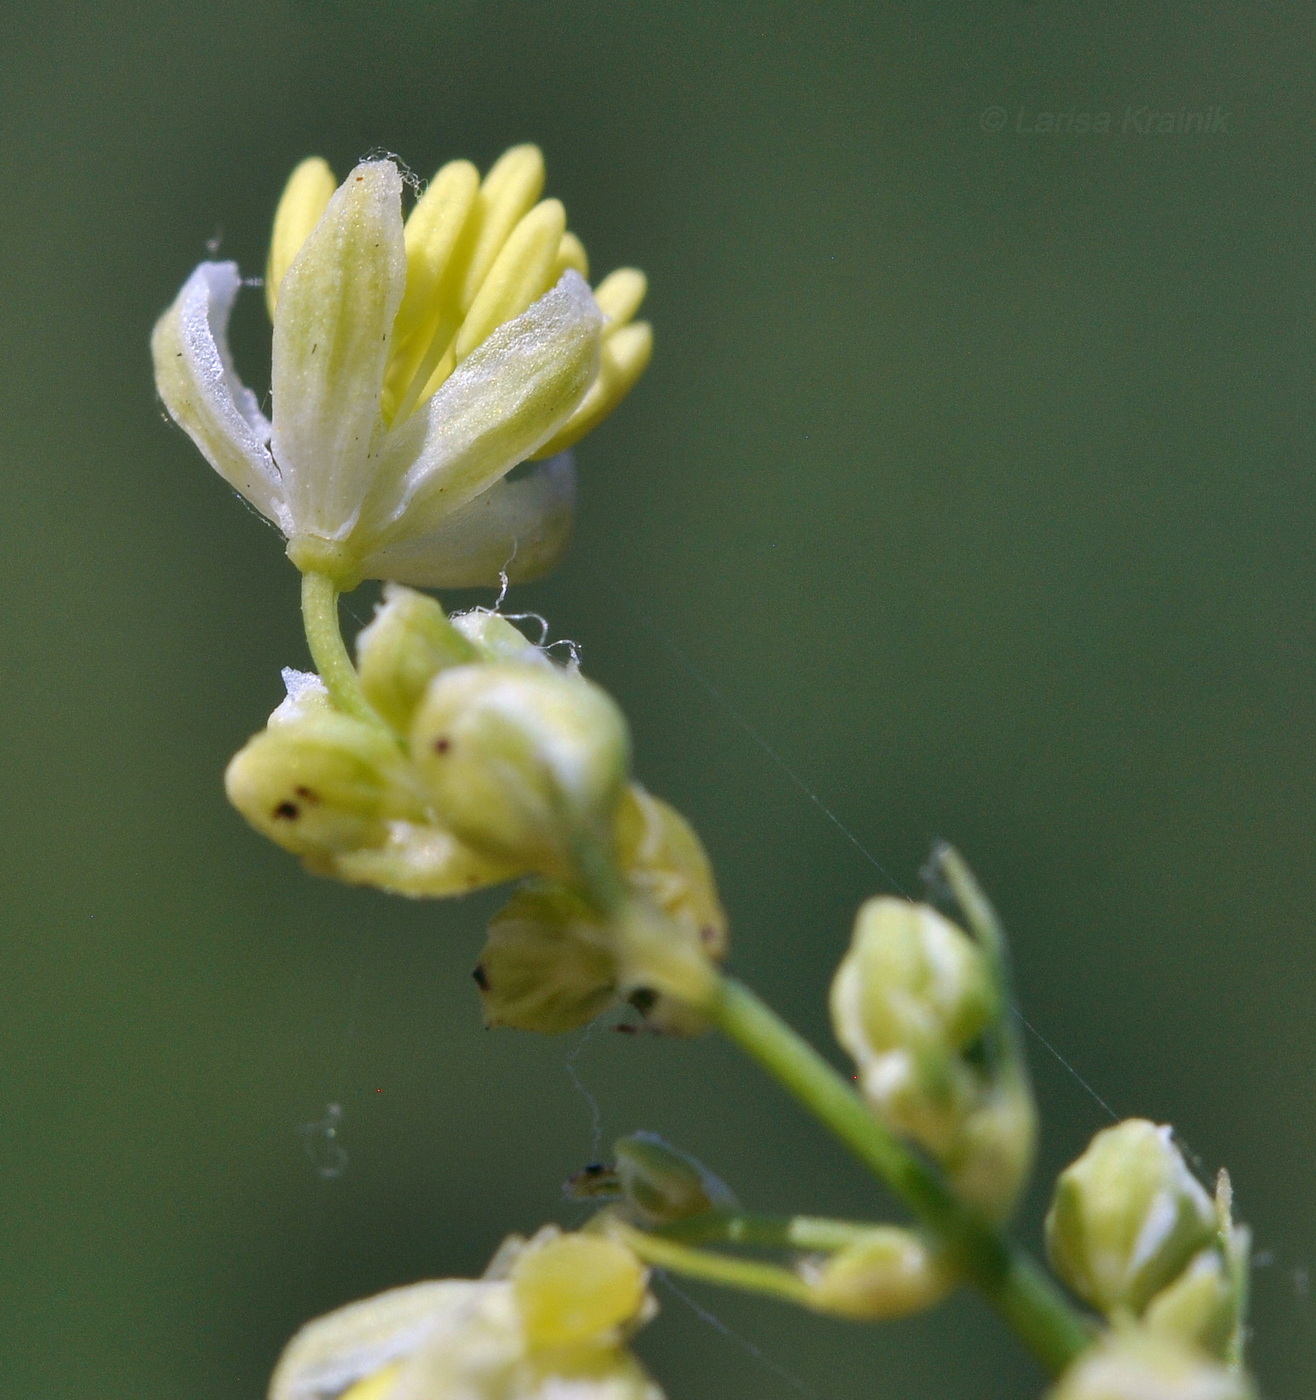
(748, 1275)
(1007, 1276)
(772, 1231)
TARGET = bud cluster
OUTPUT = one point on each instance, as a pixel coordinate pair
(918, 1005)
(489, 762)
(1134, 1233)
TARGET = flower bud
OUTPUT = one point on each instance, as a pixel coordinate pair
(1200, 1307)
(524, 764)
(496, 639)
(407, 643)
(548, 965)
(578, 1289)
(663, 859)
(661, 1184)
(911, 993)
(552, 962)
(1127, 1217)
(891, 1273)
(989, 1165)
(420, 861)
(321, 783)
(1133, 1365)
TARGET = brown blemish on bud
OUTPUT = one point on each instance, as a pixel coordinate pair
(481, 977)
(286, 812)
(442, 744)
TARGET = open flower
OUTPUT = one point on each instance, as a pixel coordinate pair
(412, 368)
(549, 1321)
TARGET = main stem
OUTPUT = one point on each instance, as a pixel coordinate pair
(325, 639)
(1006, 1275)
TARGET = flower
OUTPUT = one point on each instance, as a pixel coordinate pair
(549, 1319)
(413, 366)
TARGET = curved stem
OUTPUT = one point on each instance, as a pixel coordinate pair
(745, 1274)
(328, 652)
(1010, 1280)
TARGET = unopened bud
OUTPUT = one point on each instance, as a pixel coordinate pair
(525, 764)
(321, 784)
(891, 1273)
(577, 1289)
(422, 862)
(496, 639)
(1199, 1307)
(1134, 1365)
(663, 859)
(989, 1165)
(661, 1184)
(548, 965)
(1127, 1217)
(911, 993)
(407, 643)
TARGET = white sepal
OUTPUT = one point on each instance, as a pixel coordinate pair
(516, 527)
(195, 377)
(505, 400)
(332, 329)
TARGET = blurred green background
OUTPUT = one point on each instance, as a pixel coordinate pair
(973, 476)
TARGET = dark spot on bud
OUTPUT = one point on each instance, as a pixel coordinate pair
(708, 935)
(643, 1000)
(442, 744)
(286, 812)
(481, 977)
(308, 795)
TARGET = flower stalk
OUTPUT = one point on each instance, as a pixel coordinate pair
(328, 651)
(1010, 1280)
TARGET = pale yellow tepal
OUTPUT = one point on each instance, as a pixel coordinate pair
(413, 366)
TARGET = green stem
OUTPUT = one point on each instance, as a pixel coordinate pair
(1015, 1286)
(772, 1231)
(745, 1274)
(325, 639)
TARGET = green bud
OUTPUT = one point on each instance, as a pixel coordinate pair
(912, 978)
(548, 965)
(1131, 1364)
(1199, 1307)
(525, 764)
(496, 639)
(1127, 1217)
(990, 1161)
(661, 1184)
(422, 862)
(318, 783)
(664, 860)
(407, 643)
(891, 1273)
(913, 992)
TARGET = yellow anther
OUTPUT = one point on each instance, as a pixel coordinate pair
(304, 199)
(509, 192)
(571, 254)
(429, 315)
(619, 295)
(622, 359)
(577, 1289)
(520, 274)
(374, 1387)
